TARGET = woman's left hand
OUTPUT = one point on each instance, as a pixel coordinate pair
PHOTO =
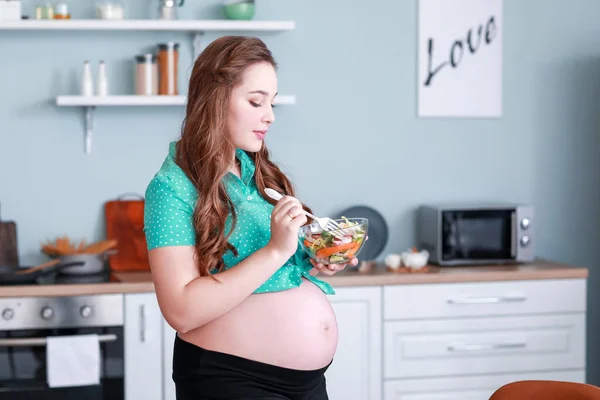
(331, 268)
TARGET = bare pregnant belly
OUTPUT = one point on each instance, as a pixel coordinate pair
(294, 328)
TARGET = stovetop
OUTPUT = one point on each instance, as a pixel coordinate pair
(57, 278)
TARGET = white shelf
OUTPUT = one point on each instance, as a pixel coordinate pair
(89, 103)
(133, 100)
(148, 25)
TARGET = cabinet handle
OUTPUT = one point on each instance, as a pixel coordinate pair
(486, 300)
(484, 347)
(142, 323)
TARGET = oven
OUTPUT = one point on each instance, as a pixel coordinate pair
(27, 322)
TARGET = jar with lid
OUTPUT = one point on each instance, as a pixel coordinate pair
(61, 10)
(146, 75)
(168, 66)
(110, 9)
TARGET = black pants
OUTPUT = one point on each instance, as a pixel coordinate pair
(201, 374)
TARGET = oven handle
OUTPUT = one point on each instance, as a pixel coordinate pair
(41, 341)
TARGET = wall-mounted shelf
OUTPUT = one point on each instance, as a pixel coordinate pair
(148, 25)
(133, 100)
(89, 103)
(197, 27)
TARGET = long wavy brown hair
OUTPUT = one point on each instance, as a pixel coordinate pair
(205, 151)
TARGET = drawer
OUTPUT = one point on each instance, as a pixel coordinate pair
(484, 298)
(455, 347)
(467, 387)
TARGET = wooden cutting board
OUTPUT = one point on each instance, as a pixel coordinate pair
(8, 243)
(125, 223)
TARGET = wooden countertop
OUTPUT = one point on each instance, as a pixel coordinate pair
(141, 282)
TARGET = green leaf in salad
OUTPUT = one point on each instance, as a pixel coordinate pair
(328, 238)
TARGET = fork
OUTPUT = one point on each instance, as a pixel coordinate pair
(326, 223)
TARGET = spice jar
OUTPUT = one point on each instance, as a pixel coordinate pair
(146, 75)
(61, 10)
(168, 61)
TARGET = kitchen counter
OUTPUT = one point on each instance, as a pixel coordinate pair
(141, 282)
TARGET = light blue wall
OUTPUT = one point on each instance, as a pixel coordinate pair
(354, 77)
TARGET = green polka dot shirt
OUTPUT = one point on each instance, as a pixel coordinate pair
(170, 200)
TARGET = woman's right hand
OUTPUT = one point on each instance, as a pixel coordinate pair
(286, 219)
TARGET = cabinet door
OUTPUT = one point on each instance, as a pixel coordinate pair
(475, 387)
(143, 347)
(356, 369)
(168, 341)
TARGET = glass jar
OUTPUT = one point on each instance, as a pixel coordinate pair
(146, 75)
(168, 66)
(61, 10)
(44, 10)
(110, 9)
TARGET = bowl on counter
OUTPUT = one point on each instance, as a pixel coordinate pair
(239, 9)
(334, 247)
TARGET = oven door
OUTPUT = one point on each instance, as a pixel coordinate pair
(23, 365)
(478, 236)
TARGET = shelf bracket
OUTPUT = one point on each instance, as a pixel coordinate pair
(89, 114)
(197, 43)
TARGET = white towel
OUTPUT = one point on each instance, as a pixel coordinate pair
(73, 360)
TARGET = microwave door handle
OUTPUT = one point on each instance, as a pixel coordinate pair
(513, 234)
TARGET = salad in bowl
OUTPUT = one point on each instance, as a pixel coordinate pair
(337, 246)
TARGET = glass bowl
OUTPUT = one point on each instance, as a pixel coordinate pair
(334, 247)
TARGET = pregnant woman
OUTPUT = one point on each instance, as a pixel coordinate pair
(253, 321)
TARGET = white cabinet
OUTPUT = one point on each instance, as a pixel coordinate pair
(466, 340)
(483, 346)
(479, 387)
(167, 354)
(355, 373)
(143, 347)
(485, 299)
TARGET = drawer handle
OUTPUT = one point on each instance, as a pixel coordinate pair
(485, 347)
(487, 300)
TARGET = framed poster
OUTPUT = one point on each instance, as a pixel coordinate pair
(460, 58)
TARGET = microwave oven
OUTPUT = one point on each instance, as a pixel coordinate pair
(461, 234)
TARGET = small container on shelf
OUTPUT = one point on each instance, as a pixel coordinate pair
(44, 10)
(168, 66)
(110, 9)
(146, 75)
(87, 82)
(102, 81)
(61, 10)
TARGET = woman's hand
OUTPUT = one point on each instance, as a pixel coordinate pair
(331, 268)
(286, 219)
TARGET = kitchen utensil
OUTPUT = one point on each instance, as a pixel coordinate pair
(8, 243)
(327, 224)
(168, 9)
(38, 268)
(12, 274)
(63, 246)
(90, 263)
(326, 249)
(125, 224)
(378, 230)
